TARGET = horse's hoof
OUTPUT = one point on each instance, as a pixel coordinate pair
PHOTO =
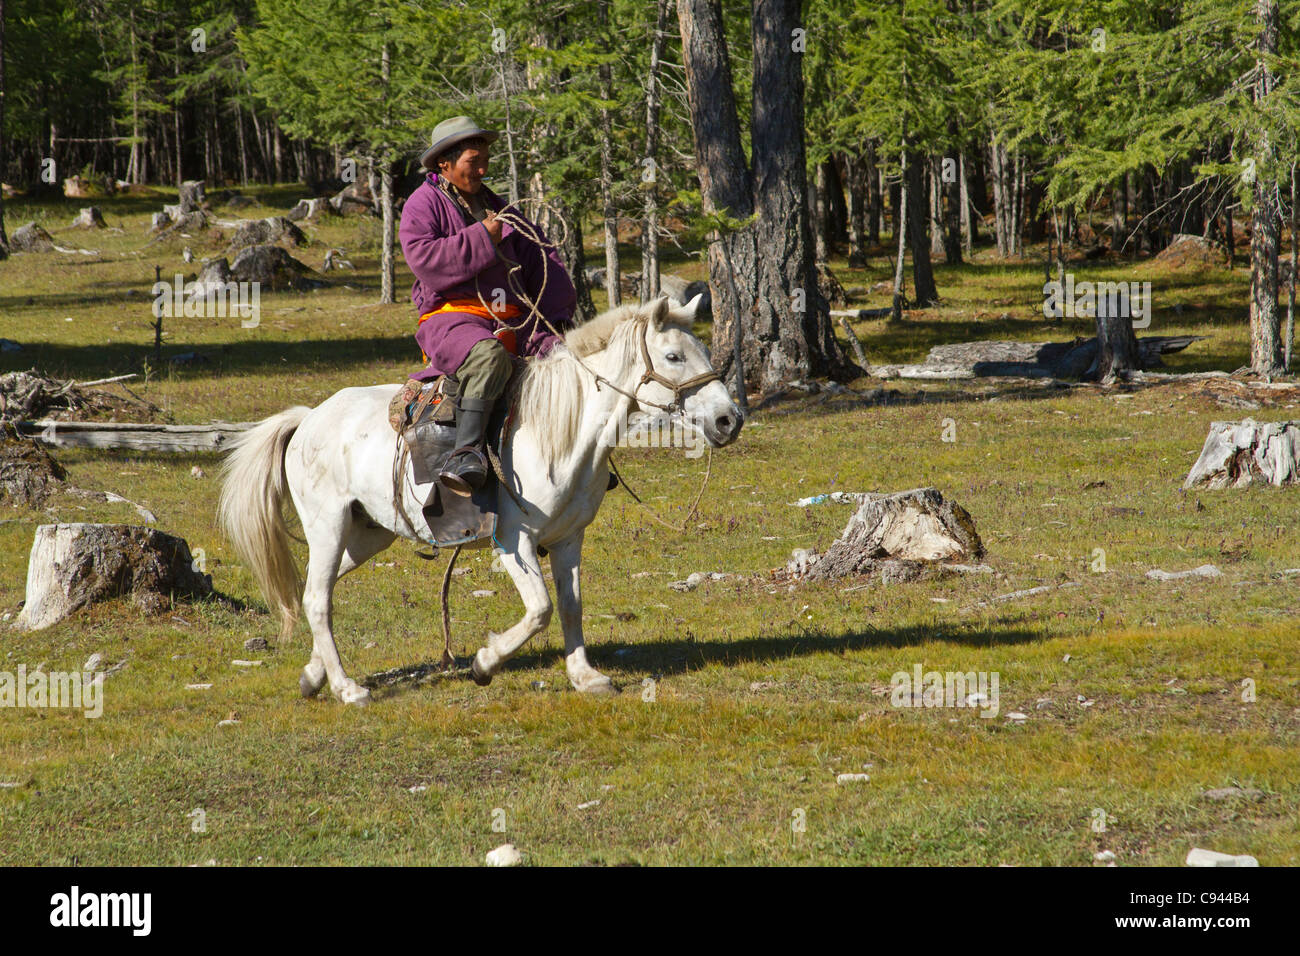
(309, 687)
(601, 687)
(353, 693)
(480, 678)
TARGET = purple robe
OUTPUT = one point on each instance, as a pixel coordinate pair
(452, 260)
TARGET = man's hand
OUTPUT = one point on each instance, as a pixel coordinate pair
(493, 225)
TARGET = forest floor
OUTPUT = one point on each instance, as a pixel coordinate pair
(743, 699)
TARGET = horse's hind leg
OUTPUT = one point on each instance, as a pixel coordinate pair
(328, 536)
(526, 571)
(360, 544)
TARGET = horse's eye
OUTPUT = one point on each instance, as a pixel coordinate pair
(673, 356)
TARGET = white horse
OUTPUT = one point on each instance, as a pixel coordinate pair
(336, 462)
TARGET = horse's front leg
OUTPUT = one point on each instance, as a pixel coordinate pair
(566, 566)
(526, 571)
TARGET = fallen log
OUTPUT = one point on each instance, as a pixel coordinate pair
(72, 565)
(137, 437)
(1077, 359)
(1237, 454)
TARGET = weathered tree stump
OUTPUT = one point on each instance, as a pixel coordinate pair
(30, 238)
(72, 565)
(274, 268)
(257, 232)
(89, 218)
(28, 475)
(353, 199)
(900, 537)
(1236, 454)
(214, 274)
(192, 196)
(309, 210)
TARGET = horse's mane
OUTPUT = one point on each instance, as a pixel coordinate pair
(551, 388)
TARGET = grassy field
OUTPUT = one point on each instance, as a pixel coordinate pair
(743, 699)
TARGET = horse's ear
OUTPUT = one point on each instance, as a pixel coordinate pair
(659, 311)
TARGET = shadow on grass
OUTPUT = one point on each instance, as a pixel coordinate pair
(289, 357)
(661, 658)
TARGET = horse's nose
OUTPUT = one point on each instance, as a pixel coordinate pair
(728, 425)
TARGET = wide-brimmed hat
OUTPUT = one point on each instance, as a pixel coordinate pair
(450, 132)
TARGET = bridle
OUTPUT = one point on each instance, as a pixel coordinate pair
(677, 388)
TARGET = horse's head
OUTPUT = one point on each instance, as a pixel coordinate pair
(677, 372)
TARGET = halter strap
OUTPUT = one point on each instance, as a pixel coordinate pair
(675, 387)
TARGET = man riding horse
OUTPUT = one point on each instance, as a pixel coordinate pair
(462, 255)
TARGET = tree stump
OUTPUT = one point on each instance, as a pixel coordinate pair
(1237, 454)
(28, 475)
(899, 536)
(352, 199)
(72, 565)
(192, 196)
(256, 232)
(274, 268)
(31, 238)
(308, 210)
(89, 218)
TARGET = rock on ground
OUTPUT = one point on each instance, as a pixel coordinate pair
(72, 565)
(505, 855)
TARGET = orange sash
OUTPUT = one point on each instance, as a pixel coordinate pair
(504, 335)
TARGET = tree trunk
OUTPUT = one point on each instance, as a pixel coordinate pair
(821, 218)
(934, 203)
(4, 237)
(1265, 345)
(786, 328)
(1289, 335)
(836, 208)
(967, 225)
(900, 232)
(875, 204)
(387, 263)
(923, 287)
(650, 223)
(856, 197)
(952, 199)
(1118, 355)
(613, 288)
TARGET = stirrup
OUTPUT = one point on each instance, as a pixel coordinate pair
(469, 479)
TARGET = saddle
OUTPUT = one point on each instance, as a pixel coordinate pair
(424, 416)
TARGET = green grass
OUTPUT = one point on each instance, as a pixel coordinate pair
(761, 695)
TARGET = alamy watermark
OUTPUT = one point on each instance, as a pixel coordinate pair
(208, 300)
(67, 690)
(660, 431)
(1128, 300)
(922, 688)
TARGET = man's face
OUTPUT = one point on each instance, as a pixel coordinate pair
(467, 172)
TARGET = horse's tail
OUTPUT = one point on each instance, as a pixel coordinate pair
(250, 511)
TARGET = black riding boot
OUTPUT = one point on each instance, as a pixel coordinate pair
(467, 468)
